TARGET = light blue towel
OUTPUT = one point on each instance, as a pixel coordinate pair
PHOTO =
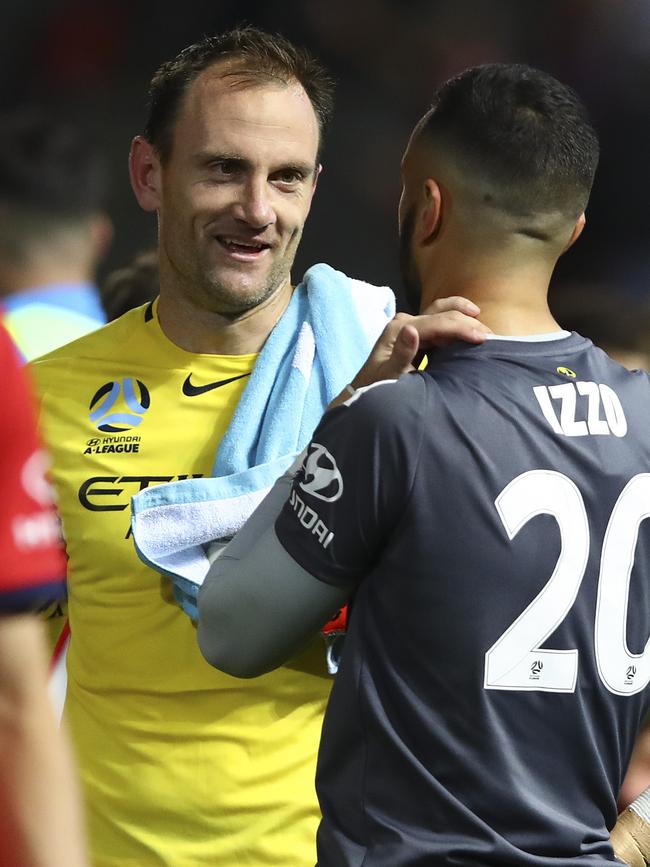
(316, 348)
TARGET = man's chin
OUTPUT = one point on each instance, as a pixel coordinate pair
(236, 297)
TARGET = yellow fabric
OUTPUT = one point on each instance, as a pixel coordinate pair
(182, 766)
(55, 617)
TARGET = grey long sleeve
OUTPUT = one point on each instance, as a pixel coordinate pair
(257, 606)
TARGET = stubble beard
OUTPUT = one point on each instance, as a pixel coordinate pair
(235, 297)
(233, 301)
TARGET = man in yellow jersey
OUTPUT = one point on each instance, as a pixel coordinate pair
(184, 766)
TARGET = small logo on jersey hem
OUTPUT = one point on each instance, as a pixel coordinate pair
(536, 669)
(191, 390)
(629, 675)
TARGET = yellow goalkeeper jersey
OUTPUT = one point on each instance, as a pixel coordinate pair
(182, 765)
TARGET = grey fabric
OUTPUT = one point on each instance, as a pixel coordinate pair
(428, 757)
(255, 615)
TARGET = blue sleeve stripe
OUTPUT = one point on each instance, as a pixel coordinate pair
(32, 598)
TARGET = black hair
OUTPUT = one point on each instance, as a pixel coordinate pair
(527, 134)
(49, 166)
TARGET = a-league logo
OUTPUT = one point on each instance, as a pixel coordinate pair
(111, 418)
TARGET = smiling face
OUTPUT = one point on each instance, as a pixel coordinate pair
(236, 189)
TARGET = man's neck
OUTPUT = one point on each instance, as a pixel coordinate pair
(513, 319)
(201, 331)
(512, 301)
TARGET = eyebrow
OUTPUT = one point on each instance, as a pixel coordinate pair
(206, 158)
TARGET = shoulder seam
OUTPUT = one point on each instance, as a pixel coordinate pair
(416, 463)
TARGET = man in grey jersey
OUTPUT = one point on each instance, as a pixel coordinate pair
(486, 516)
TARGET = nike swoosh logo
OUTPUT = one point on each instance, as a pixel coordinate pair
(190, 390)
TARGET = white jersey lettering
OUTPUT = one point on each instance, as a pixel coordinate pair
(571, 397)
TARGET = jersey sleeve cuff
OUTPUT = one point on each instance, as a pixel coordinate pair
(328, 573)
(32, 599)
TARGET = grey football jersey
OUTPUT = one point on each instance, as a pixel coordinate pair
(492, 510)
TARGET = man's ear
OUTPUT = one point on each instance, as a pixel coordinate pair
(145, 174)
(577, 231)
(430, 219)
(318, 170)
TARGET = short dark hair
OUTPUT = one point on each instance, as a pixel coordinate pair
(525, 132)
(261, 56)
(49, 166)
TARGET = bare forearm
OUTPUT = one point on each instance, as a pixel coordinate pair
(40, 812)
(637, 778)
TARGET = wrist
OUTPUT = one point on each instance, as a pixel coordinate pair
(641, 806)
(348, 392)
(631, 836)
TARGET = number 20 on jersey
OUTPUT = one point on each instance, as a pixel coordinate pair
(515, 661)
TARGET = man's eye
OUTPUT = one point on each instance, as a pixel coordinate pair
(225, 168)
(289, 176)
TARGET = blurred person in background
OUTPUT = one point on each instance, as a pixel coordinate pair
(618, 323)
(131, 286)
(53, 230)
(40, 812)
(183, 766)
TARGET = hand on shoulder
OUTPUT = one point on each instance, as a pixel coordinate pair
(406, 337)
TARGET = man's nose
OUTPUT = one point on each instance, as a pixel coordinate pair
(254, 206)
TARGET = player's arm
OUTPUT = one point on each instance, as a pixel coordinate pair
(40, 815)
(296, 560)
(637, 776)
(631, 835)
(258, 606)
(55, 614)
(40, 811)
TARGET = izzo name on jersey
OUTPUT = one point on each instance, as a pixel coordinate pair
(310, 519)
(576, 409)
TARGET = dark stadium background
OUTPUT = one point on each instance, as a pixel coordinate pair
(92, 59)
